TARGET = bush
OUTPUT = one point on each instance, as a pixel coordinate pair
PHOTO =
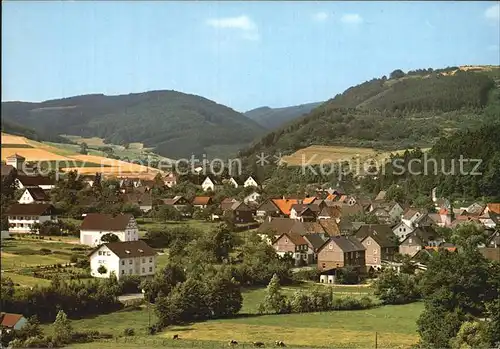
(306, 274)
(129, 284)
(129, 332)
(45, 251)
(73, 258)
(82, 263)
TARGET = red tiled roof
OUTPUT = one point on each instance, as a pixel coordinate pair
(494, 207)
(285, 205)
(201, 200)
(310, 200)
(10, 320)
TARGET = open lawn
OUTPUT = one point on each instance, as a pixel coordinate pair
(395, 327)
(25, 280)
(253, 296)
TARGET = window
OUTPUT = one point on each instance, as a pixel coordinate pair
(368, 242)
(144, 260)
(143, 270)
(330, 246)
(150, 269)
(123, 272)
(286, 241)
(99, 253)
(130, 261)
(375, 259)
(410, 240)
(108, 253)
(375, 251)
(323, 265)
(150, 259)
(123, 262)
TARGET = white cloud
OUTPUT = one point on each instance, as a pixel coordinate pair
(320, 16)
(243, 24)
(351, 18)
(492, 13)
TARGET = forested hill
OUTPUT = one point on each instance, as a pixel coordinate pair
(479, 177)
(173, 123)
(273, 118)
(18, 130)
(405, 110)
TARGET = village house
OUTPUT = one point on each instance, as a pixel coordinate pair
(380, 243)
(209, 184)
(34, 181)
(294, 245)
(22, 217)
(341, 251)
(34, 196)
(178, 202)
(170, 180)
(238, 211)
(411, 215)
(314, 241)
(267, 209)
(202, 202)
(251, 199)
(276, 226)
(231, 181)
(123, 259)
(491, 250)
(391, 211)
(401, 230)
(330, 212)
(95, 225)
(11, 322)
(8, 170)
(285, 205)
(380, 196)
(250, 182)
(16, 161)
(143, 200)
(417, 240)
(304, 213)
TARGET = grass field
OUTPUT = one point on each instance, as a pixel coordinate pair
(20, 257)
(395, 327)
(66, 156)
(316, 154)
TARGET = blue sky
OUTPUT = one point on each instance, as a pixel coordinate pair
(241, 54)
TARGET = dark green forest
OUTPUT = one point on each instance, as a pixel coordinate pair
(409, 110)
(272, 118)
(173, 123)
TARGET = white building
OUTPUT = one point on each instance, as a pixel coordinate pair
(250, 182)
(16, 160)
(401, 230)
(34, 181)
(123, 258)
(208, 184)
(95, 225)
(170, 180)
(22, 217)
(251, 198)
(34, 196)
(410, 216)
(231, 181)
